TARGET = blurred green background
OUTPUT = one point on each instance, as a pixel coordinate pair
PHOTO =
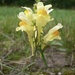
(55, 3)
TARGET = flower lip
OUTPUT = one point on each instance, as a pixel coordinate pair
(22, 23)
(56, 33)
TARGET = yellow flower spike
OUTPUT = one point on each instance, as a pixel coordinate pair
(33, 21)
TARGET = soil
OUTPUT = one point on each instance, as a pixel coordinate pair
(54, 58)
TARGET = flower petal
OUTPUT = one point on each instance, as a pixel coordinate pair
(47, 7)
(49, 11)
(29, 9)
(21, 16)
(22, 28)
(40, 6)
(57, 27)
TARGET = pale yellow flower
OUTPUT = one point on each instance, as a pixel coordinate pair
(53, 34)
(42, 16)
(26, 24)
(45, 9)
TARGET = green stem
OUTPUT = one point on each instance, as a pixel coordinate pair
(43, 57)
(35, 43)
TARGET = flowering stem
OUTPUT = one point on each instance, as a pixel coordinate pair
(35, 44)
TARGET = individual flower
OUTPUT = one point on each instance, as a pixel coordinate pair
(43, 9)
(53, 34)
(26, 24)
(43, 16)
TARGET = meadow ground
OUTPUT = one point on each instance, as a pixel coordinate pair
(15, 45)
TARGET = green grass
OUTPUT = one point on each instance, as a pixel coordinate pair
(10, 40)
(67, 19)
(16, 43)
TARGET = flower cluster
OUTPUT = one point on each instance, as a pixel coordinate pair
(33, 21)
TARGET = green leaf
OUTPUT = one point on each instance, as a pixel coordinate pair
(43, 57)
